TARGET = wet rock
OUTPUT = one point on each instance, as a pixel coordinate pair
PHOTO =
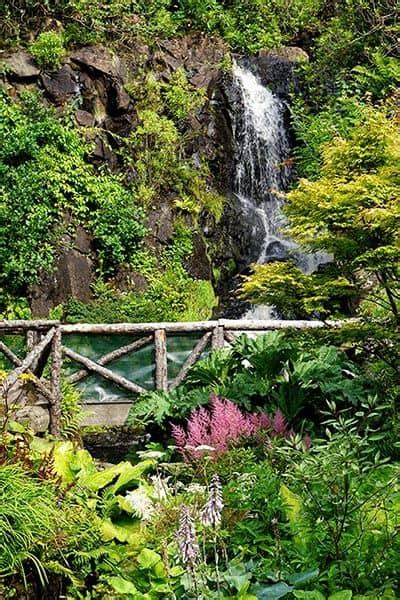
(276, 68)
(112, 444)
(118, 99)
(198, 264)
(62, 85)
(84, 118)
(290, 53)
(126, 279)
(82, 242)
(161, 224)
(121, 125)
(21, 65)
(197, 54)
(102, 152)
(99, 59)
(72, 277)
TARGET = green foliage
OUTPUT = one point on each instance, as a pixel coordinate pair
(273, 371)
(48, 50)
(155, 150)
(380, 78)
(297, 295)
(12, 308)
(324, 519)
(249, 26)
(313, 131)
(43, 157)
(159, 407)
(174, 297)
(181, 99)
(349, 34)
(341, 33)
(342, 485)
(170, 293)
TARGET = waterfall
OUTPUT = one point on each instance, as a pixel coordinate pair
(261, 164)
(262, 173)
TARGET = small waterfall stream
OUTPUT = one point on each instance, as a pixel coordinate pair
(262, 173)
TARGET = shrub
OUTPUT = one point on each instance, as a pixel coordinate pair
(44, 158)
(181, 99)
(342, 503)
(48, 49)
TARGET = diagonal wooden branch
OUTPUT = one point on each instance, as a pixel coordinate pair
(106, 373)
(111, 356)
(28, 361)
(18, 362)
(229, 337)
(191, 359)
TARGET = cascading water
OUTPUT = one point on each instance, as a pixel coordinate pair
(261, 168)
(262, 173)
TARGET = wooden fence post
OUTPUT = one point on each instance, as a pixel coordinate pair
(217, 340)
(160, 344)
(56, 366)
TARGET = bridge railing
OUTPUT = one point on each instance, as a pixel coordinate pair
(46, 343)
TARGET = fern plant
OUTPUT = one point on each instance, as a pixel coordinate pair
(71, 410)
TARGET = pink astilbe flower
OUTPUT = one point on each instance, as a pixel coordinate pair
(198, 428)
(179, 435)
(223, 425)
(279, 424)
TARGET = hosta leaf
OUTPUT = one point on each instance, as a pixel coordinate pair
(272, 592)
(148, 558)
(123, 530)
(122, 586)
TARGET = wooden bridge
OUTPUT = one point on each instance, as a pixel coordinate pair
(45, 342)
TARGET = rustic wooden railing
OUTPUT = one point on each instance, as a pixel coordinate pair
(44, 341)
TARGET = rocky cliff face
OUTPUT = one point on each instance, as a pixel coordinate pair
(93, 81)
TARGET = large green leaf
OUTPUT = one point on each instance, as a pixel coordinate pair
(148, 558)
(272, 592)
(124, 529)
(124, 473)
(312, 595)
(122, 586)
(132, 473)
(63, 455)
(304, 577)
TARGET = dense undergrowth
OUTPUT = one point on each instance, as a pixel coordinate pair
(289, 488)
